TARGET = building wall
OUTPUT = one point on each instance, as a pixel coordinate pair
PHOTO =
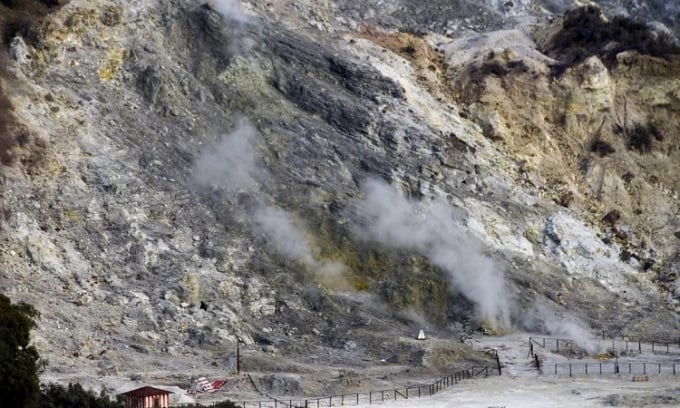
(148, 401)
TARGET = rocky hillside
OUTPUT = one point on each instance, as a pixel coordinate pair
(321, 179)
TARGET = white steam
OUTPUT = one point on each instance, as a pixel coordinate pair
(562, 328)
(230, 165)
(231, 10)
(282, 235)
(437, 234)
(289, 240)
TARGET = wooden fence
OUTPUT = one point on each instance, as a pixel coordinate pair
(627, 346)
(614, 346)
(371, 397)
(574, 369)
(555, 345)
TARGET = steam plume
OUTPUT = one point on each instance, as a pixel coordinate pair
(289, 240)
(230, 165)
(231, 10)
(282, 235)
(561, 327)
(436, 233)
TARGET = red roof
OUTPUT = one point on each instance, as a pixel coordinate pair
(146, 392)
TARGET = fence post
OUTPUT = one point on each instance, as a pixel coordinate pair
(357, 398)
(370, 397)
(602, 334)
(659, 368)
(639, 346)
(586, 368)
(600, 368)
(652, 346)
(555, 370)
(644, 368)
(342, 399)
(630, 369)
(673, 368)
(382, 395)
(569, 369)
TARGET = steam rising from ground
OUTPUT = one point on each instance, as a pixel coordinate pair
(436, 233)
(562, 328)
(231, 10)
(231, 165)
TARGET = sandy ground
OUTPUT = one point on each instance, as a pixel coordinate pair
(525, 392)
(522, 386)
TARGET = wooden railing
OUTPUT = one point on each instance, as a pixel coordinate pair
(371, 397)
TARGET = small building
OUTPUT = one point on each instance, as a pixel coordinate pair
(147, 397)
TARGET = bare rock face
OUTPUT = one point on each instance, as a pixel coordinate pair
(196, 177)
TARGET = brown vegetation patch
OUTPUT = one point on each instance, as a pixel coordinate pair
(429, 63)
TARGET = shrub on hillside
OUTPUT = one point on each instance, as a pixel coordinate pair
(586, 32)
(641, 137)
(602, 148)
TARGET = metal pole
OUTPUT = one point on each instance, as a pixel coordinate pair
(238, 356)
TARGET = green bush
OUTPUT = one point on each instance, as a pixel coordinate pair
(74, 396)
(19, 361)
